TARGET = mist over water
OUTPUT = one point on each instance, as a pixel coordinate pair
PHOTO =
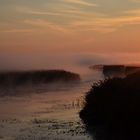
(60, 102)
(74, 62)
(54, 111)
(64, 60)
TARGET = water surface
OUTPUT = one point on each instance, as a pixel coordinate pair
(46, 114)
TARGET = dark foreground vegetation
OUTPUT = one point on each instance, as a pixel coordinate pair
(112, 109)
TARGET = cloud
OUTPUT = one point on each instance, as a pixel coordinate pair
(133, 12)
(19, 31)
(101, 25)
(71, 19)
(137, 1)
(107, 24)
(63, 11)
(27, 10)
(44, 25)
(79, 2)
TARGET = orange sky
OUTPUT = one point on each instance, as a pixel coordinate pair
(53, 27)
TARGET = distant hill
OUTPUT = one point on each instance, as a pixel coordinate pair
(116, 70)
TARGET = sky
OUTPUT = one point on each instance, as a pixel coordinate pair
(41, 34)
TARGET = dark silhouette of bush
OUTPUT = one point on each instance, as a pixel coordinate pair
(22, 78)
(112, 109)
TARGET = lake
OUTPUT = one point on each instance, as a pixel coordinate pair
(47, 115)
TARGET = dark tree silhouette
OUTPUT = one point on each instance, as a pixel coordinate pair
(21, 82)
(37, 77)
